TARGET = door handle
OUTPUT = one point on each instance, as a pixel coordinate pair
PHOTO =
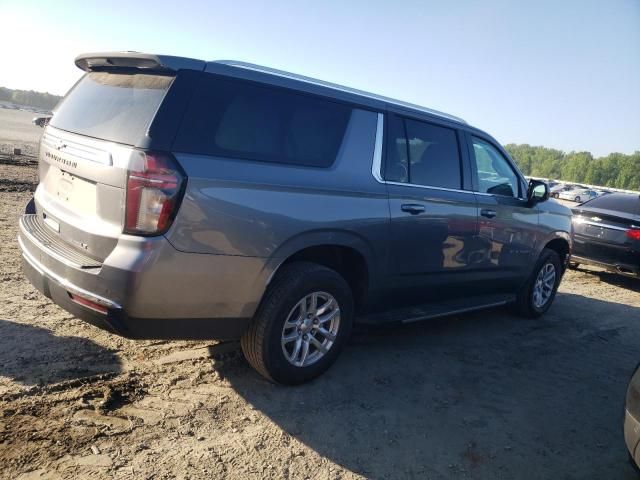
(485, 212)
(412, 208)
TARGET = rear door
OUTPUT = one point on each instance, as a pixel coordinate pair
(433, 219)
(507, 224)
(85, 153)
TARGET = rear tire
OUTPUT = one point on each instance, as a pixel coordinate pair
(276, 349)
(577, 199)
(534, 297)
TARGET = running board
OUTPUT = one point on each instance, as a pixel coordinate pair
(427, 311)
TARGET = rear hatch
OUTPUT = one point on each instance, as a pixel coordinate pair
(85, 154)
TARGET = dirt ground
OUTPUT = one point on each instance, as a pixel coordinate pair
(479, 396)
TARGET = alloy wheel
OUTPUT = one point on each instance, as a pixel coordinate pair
(544, 285)
(311, 329)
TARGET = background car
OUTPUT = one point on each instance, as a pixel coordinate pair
(579, 195)
(557, 189)
(41, 121)
(606, 232)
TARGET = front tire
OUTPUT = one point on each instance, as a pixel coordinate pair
(537, 295)
(301, 325)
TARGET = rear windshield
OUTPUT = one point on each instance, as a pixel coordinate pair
(113, 106)
(620, 202)
(239, 119)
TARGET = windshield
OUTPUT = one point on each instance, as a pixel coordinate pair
(113, 106)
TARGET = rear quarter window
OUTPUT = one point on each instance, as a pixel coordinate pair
(118, 107)
(238, 119)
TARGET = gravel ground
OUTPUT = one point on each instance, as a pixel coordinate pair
(479, 396)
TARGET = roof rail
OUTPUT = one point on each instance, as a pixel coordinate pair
(334, 86)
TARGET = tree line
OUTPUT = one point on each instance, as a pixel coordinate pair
(29, 98)
(616, 170)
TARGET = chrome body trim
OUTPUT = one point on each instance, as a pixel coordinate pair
(84, 152)
(582, 220)
(42, 270)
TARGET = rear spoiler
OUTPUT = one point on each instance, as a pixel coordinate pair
(134, 60)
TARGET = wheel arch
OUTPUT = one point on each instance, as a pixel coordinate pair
(347, 253)
(560, 242)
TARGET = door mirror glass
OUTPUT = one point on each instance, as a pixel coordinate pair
(538, 191)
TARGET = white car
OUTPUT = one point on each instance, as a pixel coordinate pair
(579, 195)
(556, 190)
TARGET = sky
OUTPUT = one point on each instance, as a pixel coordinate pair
(562, 74)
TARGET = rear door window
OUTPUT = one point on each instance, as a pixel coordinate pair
(233, 118)
(423, 154)
(118, 107)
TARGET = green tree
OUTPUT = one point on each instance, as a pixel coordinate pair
(615, 170)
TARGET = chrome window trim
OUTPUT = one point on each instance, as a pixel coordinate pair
(376, 167)
(428, 187)
(334, 86)
(484, 194)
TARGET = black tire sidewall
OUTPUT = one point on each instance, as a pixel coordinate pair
(324, 280)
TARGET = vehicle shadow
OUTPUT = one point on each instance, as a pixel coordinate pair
(621, 281)
(34, 356)
(484, 395)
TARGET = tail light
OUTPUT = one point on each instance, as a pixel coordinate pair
(633, 234)
(155, 185)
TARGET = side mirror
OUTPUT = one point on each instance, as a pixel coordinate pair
(537, 192)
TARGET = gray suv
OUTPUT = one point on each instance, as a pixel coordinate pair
(183, 199)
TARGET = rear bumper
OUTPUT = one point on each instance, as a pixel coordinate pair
(116, 320)
(616, 256)
(149, 290)
(631, 270)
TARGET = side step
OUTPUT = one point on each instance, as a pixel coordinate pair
(416, 313)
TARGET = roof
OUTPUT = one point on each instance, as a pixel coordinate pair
(334, 86)
(167, 63)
